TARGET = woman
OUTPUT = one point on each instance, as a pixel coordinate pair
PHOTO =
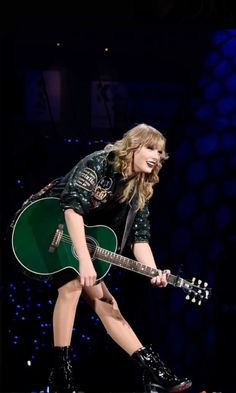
(100, 190)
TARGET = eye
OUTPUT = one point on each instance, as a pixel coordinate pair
(150, 147)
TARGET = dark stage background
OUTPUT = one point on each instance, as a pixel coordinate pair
(71, 90)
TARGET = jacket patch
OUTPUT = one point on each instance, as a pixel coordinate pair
(102, 188)
(87, 179)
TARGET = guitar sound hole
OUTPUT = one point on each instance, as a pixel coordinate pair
(92, 244)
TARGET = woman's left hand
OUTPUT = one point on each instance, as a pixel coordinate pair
(161, 279)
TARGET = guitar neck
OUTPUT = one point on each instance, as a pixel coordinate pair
(135, 266)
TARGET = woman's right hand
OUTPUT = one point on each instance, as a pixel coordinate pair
(88, 274)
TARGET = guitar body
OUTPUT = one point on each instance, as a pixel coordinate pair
(41, 243)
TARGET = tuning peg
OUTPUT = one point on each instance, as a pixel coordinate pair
(193, 300)
(187, 297)
(205, 284)
(193, 280)
(199, 302)
(199, 282)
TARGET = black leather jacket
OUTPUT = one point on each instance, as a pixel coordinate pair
(92, 189)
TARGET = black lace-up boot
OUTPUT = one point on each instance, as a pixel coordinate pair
(61, 379)
(156, 375)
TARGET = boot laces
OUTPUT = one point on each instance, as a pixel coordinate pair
(162, 367)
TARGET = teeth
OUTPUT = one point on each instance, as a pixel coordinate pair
(150, 163)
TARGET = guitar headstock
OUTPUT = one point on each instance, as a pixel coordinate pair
(197, 291)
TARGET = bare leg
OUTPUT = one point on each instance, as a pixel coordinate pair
(107, 309)
(64, 312)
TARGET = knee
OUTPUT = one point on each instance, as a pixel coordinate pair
(106, 307)
(71, 291)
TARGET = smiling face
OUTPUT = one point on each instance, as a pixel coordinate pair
(141, 150)
(147, 157)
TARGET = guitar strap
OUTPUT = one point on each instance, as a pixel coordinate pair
(33, 198)
(129, 220)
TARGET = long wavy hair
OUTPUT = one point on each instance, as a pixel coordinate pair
(137, 137)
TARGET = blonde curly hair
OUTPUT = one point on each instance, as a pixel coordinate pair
(138, 136)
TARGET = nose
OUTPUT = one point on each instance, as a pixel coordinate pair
(157, 155)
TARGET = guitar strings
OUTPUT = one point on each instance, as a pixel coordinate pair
(91, 247)
(67, 239)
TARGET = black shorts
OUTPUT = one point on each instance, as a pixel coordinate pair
(57, 280)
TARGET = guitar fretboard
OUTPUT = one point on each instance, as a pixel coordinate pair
(131, 264)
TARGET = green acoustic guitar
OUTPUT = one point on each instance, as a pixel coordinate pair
(42, 245)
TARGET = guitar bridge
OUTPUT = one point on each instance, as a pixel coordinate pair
(57, 238)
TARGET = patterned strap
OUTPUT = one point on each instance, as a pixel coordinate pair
(129, 220)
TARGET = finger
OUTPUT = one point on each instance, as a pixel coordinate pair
(153, 280)
(164, 280)
(156, 281)
(88, 282)
(167, 272)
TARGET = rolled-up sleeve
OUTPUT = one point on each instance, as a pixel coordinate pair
(79, 187)
(140, 231)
